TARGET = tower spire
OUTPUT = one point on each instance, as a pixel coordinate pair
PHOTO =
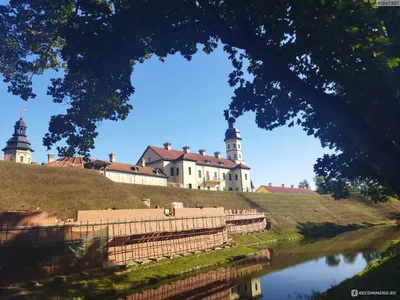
(22, 112)
(233, 142)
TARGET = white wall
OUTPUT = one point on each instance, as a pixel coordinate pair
(17, 154)
(134, 178)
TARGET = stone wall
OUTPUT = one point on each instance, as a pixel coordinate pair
(27, 218)
(96, 216)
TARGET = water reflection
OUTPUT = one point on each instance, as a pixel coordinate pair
(369, 256)
(350, 258)
(236, 282)
(332, 260)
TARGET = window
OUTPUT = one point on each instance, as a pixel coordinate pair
(255, 286)
(21, 159)
(229, 146)
(229, 157)
(223, 176)
(177, 171)
(236, 177)
(234, 155)
(207, 175)
(190, 185)
(245, 176)
(199, 173)
(208, 188)
(239, 146)
(149, 159)
(172, 171)
(198, 187)
(240, 156)
(230, 189)
(230, 177)
(190, 171)
(215, 175)
(234, 146)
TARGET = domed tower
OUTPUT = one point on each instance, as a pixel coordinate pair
(18, 146)
(233, 143)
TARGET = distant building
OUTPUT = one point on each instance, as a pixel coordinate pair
(18, 147)
(201, 171)
(284, 190)
(118, 172)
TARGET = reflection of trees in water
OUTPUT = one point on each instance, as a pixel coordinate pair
(369, 256)
(350, 258)
(332, 260)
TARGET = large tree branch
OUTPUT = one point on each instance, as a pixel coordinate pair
(331, 107)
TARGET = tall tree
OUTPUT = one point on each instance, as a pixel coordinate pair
(319, 184)
(330, 66)
(304, 184)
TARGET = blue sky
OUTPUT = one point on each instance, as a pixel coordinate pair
(180, 102)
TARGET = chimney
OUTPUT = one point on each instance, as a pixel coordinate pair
(167, 146)
(143, 164)
(283, 185)
(112, 157)
(202, 152)
(292, 186)
(217, 154)
(270, 184)
(50, 158)
(186, 149)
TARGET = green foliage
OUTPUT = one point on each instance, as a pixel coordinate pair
(304, 184)
(319, 184)
(337, 77)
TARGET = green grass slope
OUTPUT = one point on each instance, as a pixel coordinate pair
(67, 190)
(163, 196)
(303, 212)
(63, 190)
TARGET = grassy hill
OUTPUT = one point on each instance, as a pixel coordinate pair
(63, 190)
(67, 190)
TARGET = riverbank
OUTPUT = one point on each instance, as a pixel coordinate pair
(380, 275)
(114, 282)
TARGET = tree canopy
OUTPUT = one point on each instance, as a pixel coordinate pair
(304, 184)
(331, 67)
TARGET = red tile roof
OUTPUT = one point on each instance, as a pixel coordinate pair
(74, 162)
(198, 158)
(79, 162)
(288, 190)
(128, 168)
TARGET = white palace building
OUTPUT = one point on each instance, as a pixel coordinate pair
(201, 171)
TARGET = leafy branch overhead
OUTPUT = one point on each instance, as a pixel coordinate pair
(330, 66)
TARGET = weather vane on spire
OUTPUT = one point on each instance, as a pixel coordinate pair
(22, 112)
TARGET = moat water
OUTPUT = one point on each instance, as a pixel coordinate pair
(285, 270)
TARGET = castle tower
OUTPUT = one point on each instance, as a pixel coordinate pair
(233, 143)
(18, 147)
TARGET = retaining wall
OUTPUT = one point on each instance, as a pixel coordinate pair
(119, 215)
(27, 218)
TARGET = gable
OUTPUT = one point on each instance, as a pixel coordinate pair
(149, 154)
